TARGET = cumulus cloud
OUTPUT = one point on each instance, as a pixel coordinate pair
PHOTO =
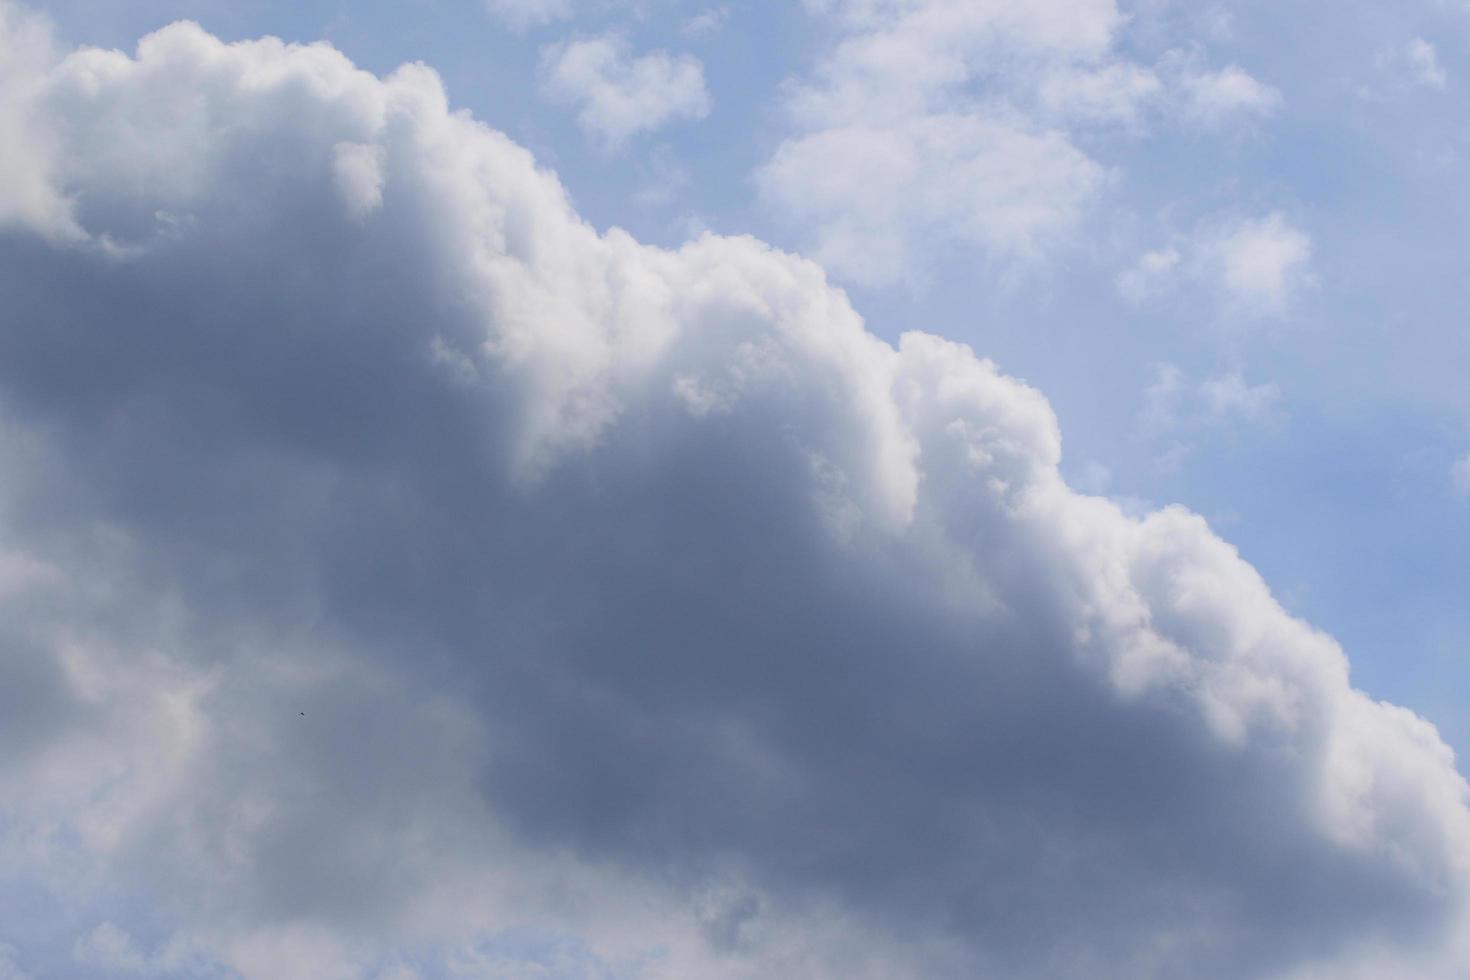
(618, 95)
(405, 578)
(25, 48)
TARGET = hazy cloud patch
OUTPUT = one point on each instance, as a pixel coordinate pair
(618, 95)
(1460, 476)
(522, 14)
(1213, 97)
(935, 124)
(1257, 268)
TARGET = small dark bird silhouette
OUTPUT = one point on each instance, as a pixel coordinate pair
(303, 714)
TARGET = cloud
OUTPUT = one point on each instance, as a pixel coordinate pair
(1116, 93)
(1211, 98)
(707, 22)
(523, 14)
(1423, 59)
(1256, 267)
(875, 192)
(8, 968)
(1174, 402)
(1177, 408)
(358, 173)
(1403, 69)
(1460, 476)
(897, 110)
(934, 124)
(1261, 264)
(110, 948)
(441, 583)
(1147, 276)
(1229, 396)
(26, 46)
(618, 96)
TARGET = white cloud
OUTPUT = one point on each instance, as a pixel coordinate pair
(617, 95)
(1460, 476)
(522, 14)
(1255, 267)
(1173, 402)
(109, 948)
(26, 47)
(1403, 68)
(448, 579)
(1149, 274)
(1228, 396)
(1116, 93)
(1423, 61)
(1261, 264)
(706, 22)
(893, 110)
(982, 104)
(1211, 98)
(874, 193)
(358, 171)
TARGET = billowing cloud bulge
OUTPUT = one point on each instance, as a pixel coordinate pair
(402, 578)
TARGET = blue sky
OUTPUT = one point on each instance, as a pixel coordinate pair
(1222, 241)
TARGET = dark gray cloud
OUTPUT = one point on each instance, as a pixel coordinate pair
(394, 563)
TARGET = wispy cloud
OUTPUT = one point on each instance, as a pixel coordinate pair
(522, 14)
(1254, 267)
(1460, 476)
(618, 95)
(931, 125)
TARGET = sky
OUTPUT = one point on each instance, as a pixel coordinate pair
(651, 489)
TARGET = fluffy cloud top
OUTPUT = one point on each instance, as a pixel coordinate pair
(618, 95)
(402, 577)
